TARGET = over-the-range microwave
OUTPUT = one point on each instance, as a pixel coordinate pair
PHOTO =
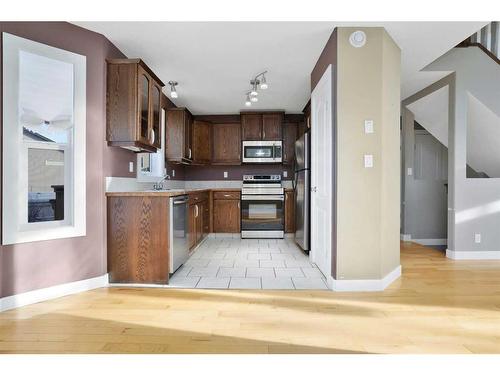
(262, 151)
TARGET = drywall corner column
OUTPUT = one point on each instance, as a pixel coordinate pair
(368, 199)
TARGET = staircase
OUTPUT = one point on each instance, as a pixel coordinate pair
(488, 39)
(477, 66)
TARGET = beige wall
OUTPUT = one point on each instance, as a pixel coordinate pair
(368, 199)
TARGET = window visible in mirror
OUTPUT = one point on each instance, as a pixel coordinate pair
(43, 141)
(151, 166)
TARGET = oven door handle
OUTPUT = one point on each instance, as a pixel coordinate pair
(262, 197)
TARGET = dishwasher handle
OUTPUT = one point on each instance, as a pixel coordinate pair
(180, 202)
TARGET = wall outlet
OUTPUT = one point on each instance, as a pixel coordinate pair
(173, 172)
(285, 173)
(131, 167)
(477, 237)
(368, 159)
(368, 126)
(410, 172)
(225, 174)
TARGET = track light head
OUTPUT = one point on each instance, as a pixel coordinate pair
(254, 83)
(263, 83)
(173, 91)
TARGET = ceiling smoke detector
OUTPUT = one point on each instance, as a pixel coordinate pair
(357, 39)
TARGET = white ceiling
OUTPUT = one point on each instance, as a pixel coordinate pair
(431, 112)
(214, 61)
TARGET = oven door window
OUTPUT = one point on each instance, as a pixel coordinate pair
(262, 214)
(257, 152)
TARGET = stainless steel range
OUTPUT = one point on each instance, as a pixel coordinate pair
(262, 207)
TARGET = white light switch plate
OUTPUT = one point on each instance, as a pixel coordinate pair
(410, 172)
(225, 174)
(368, 161)
(131, 166)
(368, 126)
(477, 238)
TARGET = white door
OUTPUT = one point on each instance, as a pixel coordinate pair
(321, 173)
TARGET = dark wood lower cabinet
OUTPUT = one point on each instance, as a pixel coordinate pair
(192, 238)
(138, 231)
(289, 211)
(226, 215)
(138, 239)
(199, 218)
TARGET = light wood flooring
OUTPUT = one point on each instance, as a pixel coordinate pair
(438, 306)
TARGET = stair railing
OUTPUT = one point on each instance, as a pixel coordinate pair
(488, 39)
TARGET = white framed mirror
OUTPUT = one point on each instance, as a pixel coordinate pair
(44, 130)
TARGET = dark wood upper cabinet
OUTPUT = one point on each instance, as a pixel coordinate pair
(251, 127)
(257, 126)
(179, 136)
(156, 105)
(290, 133)
(133, 97)
(226, 144)
(202, 151)
(272, 126)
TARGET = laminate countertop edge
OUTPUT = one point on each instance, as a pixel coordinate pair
(163, 193)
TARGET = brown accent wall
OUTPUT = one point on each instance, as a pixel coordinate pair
(36, 265)
(329, 57)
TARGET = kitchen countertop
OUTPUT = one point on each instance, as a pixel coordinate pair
(163, 193)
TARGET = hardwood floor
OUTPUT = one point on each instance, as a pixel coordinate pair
(438, 306)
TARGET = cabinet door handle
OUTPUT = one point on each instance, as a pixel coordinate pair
(152, 136)
(227, 195)
(189, 157)
(197, 210)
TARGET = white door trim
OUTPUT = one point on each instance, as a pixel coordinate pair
(321, 234)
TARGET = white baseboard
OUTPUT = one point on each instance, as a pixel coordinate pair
(478, 255)
(56, 291)
(227, 235)
(430, 241)
(405, 237)
(373, 285)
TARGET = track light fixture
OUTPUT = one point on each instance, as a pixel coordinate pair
(173, 91)
(258, 82)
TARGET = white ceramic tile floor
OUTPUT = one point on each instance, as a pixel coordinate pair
(223, 262)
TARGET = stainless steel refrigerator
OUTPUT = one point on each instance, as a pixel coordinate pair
(302, 181)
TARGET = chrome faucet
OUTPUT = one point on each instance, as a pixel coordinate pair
(159, 185)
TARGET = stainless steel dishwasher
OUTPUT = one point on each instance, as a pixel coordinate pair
(179, 245)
